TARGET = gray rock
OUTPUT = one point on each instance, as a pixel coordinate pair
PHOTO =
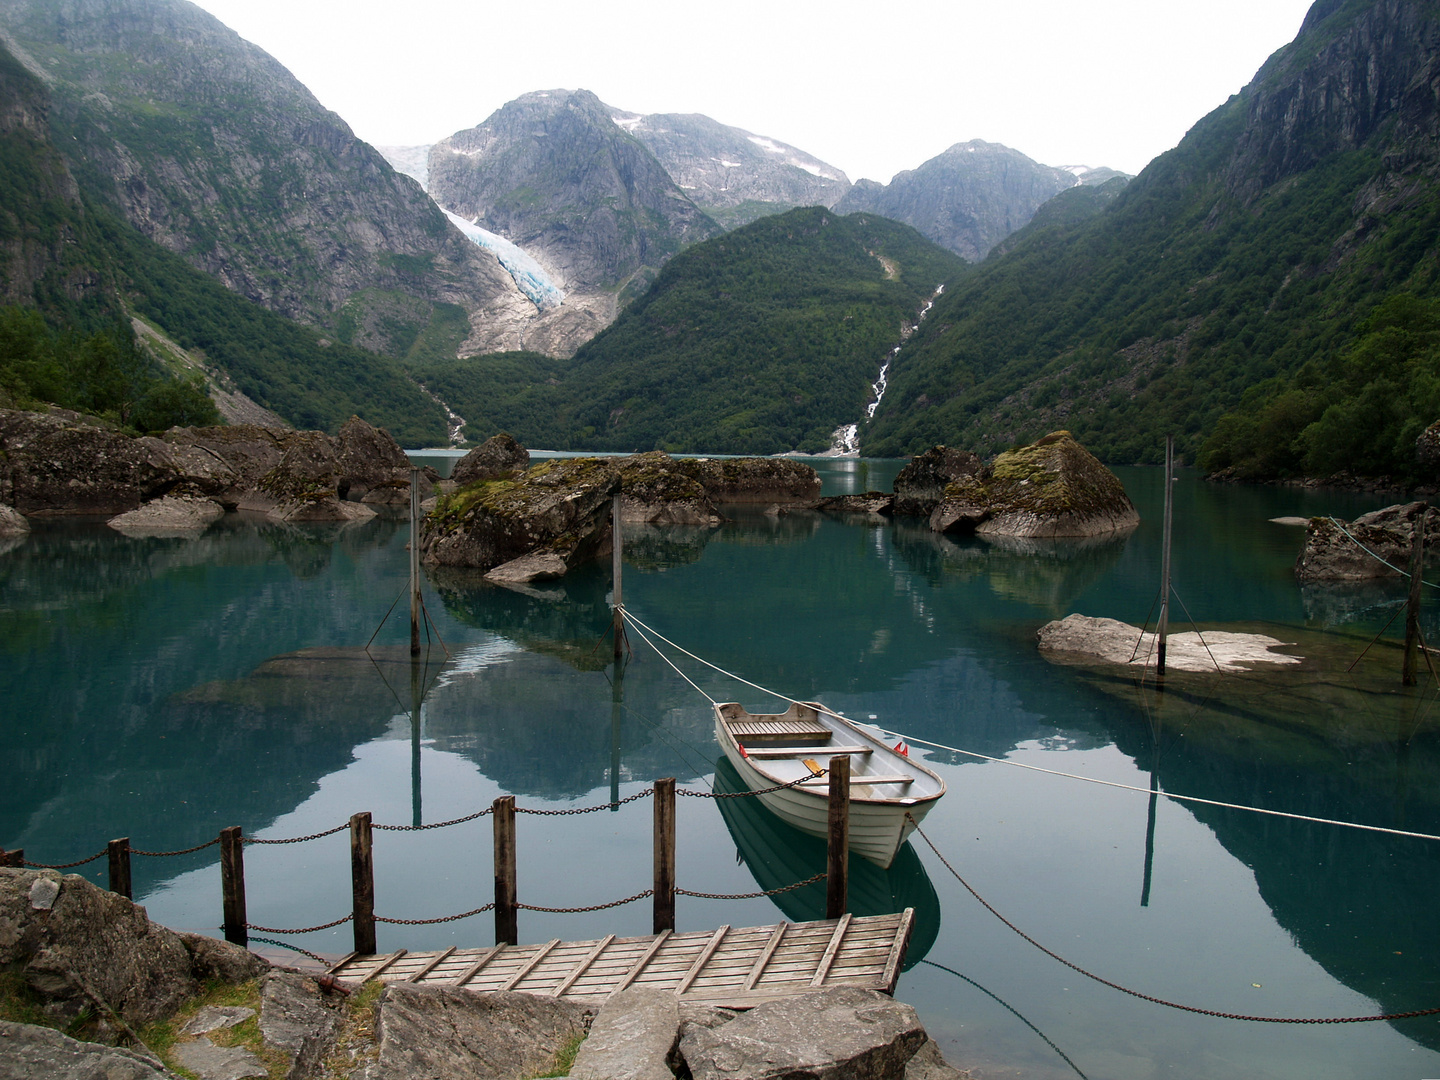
(323, 509)
(632, 1038)
(297, 1019)
(929, 1064)
(843, 1033)
(62, 463)
(43, 892)
(211, 1062)
(538, 566)
(215, 1017)
(28, 1052)
(169, 515)
(437, 1032)
(12, 522)
(870, 502)
(211, 958)
(658, 490)
(1330, 555)
(920, 485)
(91, 942)
(369, 460)
(774, 481)
(498, 457)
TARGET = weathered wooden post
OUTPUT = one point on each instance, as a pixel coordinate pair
(414, 563)
(664, 855)
(362, 884)
(232, 885)
(838, 861)
(507, 930)
(119, 852)
(12, 858)
(1412, 608)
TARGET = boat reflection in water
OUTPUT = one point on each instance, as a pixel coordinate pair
(779, 854)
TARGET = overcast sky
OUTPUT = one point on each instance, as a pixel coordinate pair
(871, 89)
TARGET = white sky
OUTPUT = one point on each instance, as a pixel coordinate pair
(871, 88)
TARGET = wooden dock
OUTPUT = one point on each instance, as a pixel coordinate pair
(734, 968)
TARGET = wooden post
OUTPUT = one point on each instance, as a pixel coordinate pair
(12, 858)
(119, 852)
(838, 861)
(664, 855)
(1412, 608)
(507, 930)
(414, 564)
(232, 885)
(1163, 627)
(362, 884)
(616, 544)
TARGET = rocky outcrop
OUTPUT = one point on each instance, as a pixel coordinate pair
(920, 485)
(1373, 540)
(370, 466)
(632, 1038)
(1051, 488)
(658, 490)
(770, 481)
(1427, 452)
(499, 457)
(437, 1032)
(169, 515)
(840, 1034)
(12, 522)
(557, 508)
(28, 1052)
(869, 502)
(59, 463)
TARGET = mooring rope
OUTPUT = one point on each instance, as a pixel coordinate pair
(1403, 573)
(1020, 764)
(1148, 997)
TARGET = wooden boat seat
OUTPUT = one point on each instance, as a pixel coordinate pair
(859, 779)
(784, 751)
(775, 729)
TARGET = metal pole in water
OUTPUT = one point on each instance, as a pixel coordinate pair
(1412, 607)
(414, 562)
(618, 626)
(1163, 627)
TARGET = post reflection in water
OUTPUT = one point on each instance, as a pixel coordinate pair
(167, 688)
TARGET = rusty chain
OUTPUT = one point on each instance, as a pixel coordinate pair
(186, 851)
(302, 930)
(296, 948)
(443, 918)
(437, 824)
(747, 794)
(587, 809)
(595, 907)
(64, 865)
(295, 839)
(754, 895)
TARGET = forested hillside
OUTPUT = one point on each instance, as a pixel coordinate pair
(760, 341)
(1237, 275)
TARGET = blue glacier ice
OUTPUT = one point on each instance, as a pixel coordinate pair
(529, 277)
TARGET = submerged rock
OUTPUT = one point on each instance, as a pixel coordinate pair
(171, 515)
(499, 457)
(1053, 488)
(559, 508)
(1110, 641)
(870, 502)
(1374, 539)
(12, 522)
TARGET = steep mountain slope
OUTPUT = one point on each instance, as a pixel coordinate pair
(1260, 243)
(734, 175)
(764, 340)
(213, 150)
(970, 197)
(553, 173)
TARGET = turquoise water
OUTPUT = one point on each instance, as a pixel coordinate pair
(163, 689)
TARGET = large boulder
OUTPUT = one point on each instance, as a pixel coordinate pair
(771, 481)
(62, 463)
(920, 486)
(844, 1033)
(1052, 488)
(658, 490)
(557, 508)
(499, 457)
(28, 1052)
(438, 1032)
(169, 515)
(632, 1038)
(1361, 549)
(75, 942)
(12, 522)
(225, 463)
(371, 466)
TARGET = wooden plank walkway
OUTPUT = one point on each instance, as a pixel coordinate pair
(735, 968)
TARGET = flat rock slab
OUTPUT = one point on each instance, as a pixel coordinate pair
(438, 1032)
(28, 1053)
(632, 1038)
(215, 1017)
(840, 1034)
(211, 1062)
(295, 1019)
(1113, 642)
(169, 515)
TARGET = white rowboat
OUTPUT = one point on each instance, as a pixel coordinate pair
(768, 749)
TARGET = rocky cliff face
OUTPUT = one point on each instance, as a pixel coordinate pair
(553, 173)
(734, 175)
(970, 197)
(211, 148)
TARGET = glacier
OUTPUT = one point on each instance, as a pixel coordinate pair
(530, 277)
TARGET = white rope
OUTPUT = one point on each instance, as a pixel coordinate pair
(1403, 573)
(1017, 764)
(640, 629)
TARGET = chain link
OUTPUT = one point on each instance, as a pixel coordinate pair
(587, 810)
(296, 948)
(438, 824)
(747, 794)
(186, 851)
(64, 865)
(595, 907)
(302, 930)
(296, 839)
(443, 918)
(753, 895)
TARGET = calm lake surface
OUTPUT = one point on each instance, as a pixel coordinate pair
(162, 689)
